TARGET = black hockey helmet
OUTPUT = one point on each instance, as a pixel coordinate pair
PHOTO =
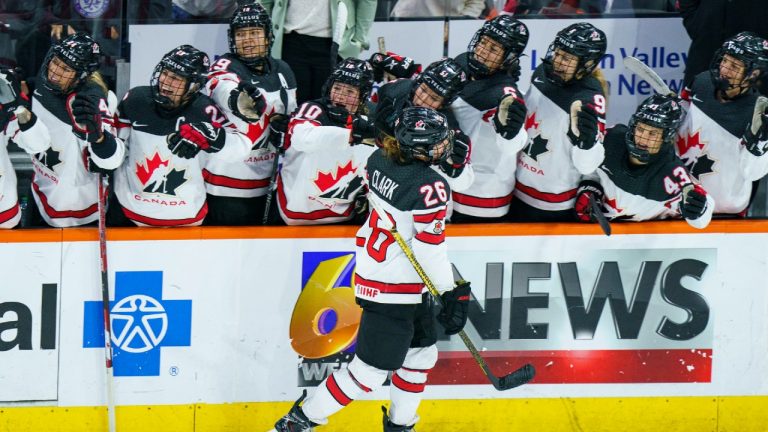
(750, 49)
(662, 111)
(445, 77)
(507, 31)
(583, 40)
(185, 61)
(354, 72)
(251, 15)
(420, 133)
(80, 52)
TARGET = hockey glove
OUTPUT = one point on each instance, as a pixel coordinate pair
(85, 115)
(756, 135)
(362, 128)
(514, 71)
(453, 315)
(583, 130)
(339, 116)
(278, 126)
(247, 102)
(582, 206)
(509, 117)
(694, 202)
(393, 64)
(193, 137)
(454, 165)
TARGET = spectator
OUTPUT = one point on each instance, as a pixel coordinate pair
(438, 8)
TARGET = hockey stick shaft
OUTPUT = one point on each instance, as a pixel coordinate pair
(599, 216)
(446, 35)
(338, 32)
(272, 188)
(643, 71)
(103, 264)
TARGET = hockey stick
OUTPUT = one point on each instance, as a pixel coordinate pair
(338, 32)
(103, 186)
(646, 73)
(272, 187)
(519, 376)
(446, 34)
(599, 216)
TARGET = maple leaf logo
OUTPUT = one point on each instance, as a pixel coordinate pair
(531, 123)
(145, 171)
(612, 204)
(488, 115)
(692, 142)
(49, 158)
(327, 180)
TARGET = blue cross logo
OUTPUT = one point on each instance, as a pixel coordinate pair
(142, 323)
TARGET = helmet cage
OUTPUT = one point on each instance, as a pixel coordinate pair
(510, 33)
(251, 15)
(582, 40)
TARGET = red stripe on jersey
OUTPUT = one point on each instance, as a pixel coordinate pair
(336, 391)
(482, 202)
(360, 241)
(429, 217)
(390, 288)
(404, 385)
(119, 124)
(546, 196)
(166, 222)
(9, 214)
(359, 384)
(234, 183)
(431, 238)
(53, 213)
(314, 215)
(416, 370)
(685, 94)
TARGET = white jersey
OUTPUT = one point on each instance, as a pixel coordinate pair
(550, 166)
(154, 186)
(322, 173)
(9, 200)
(65, 191)
(710, 146)
(414, 198)
(249, 177)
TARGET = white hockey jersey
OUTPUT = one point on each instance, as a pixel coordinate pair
(154, 186)
(414, 198)
(321, 172)
(710, 146)
(10, 215)
(550, 167)
(250, 177)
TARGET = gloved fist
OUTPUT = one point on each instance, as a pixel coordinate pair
(339, 115)
(694, 202)
(587, 189)
(583, 130)
(756, 134)
(10, 92)
(454, 165)
(509, 116)
(86, 117)
(362, 128)
(278, 126)
(393, 64)
(193, 137)
(453, 315)
(247, 102)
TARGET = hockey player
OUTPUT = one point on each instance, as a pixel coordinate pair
(642, 178)
(719, 151)
(396, 328)
(565, 124)
(256, 93)
(324, 163)
(71, 102)
(491, 111)
(165, 126)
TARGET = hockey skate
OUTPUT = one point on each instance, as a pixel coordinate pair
(391, 427)
(295, 420)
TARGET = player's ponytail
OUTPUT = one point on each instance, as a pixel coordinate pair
(98, 79)
(597, 73)
(391, 148)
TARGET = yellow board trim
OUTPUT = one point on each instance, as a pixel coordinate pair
(646, 414)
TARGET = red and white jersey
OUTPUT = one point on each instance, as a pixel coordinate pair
(550, 167)
(154, 186)
(9, 200)
(249, 177)
(65, 191)
(414, 198)
(493, 158)
(321, 172)
(709, 144)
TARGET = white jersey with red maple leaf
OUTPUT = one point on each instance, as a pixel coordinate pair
(321, 173)
(10, 213)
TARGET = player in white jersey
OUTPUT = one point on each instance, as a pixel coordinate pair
(723, 138)
(256, 93)
(491, 111)
(165, 126)
(324, 165)
(641, 177)
(71, 102)
(565, 124)
(396, 328)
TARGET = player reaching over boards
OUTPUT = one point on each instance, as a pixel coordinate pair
(396, 328)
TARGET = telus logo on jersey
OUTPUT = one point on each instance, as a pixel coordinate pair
(158, 177)
(142, 323)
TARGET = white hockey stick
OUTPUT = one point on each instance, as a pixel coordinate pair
(338, 32)
(646, 73)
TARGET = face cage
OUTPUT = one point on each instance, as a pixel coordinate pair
(165, 102)
(447, 95)
(643, 155)
(723, 84)
(426, 155)
(255, 61)
(580, 72)
(55, 89)
(478, 68)
(359, 101)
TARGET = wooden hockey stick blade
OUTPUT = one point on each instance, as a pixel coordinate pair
(646, 73)
(599, 216)
(382, 45)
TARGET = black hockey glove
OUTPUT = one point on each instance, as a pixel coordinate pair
(193, 137)
(514, 71)
(339, 116)
(362, 128)
(278, 126)
(86, 117)
(453, 315)
(583, 129)
(756, 134)
(454, 165)
(509, 117)
(694, 202)
(247, 102)
(393, 64)
(583, 208)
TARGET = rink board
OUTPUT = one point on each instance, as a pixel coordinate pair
(213, 351)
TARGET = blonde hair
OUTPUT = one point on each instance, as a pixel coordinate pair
(98, 79)
(391, 148)
(597, 73)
